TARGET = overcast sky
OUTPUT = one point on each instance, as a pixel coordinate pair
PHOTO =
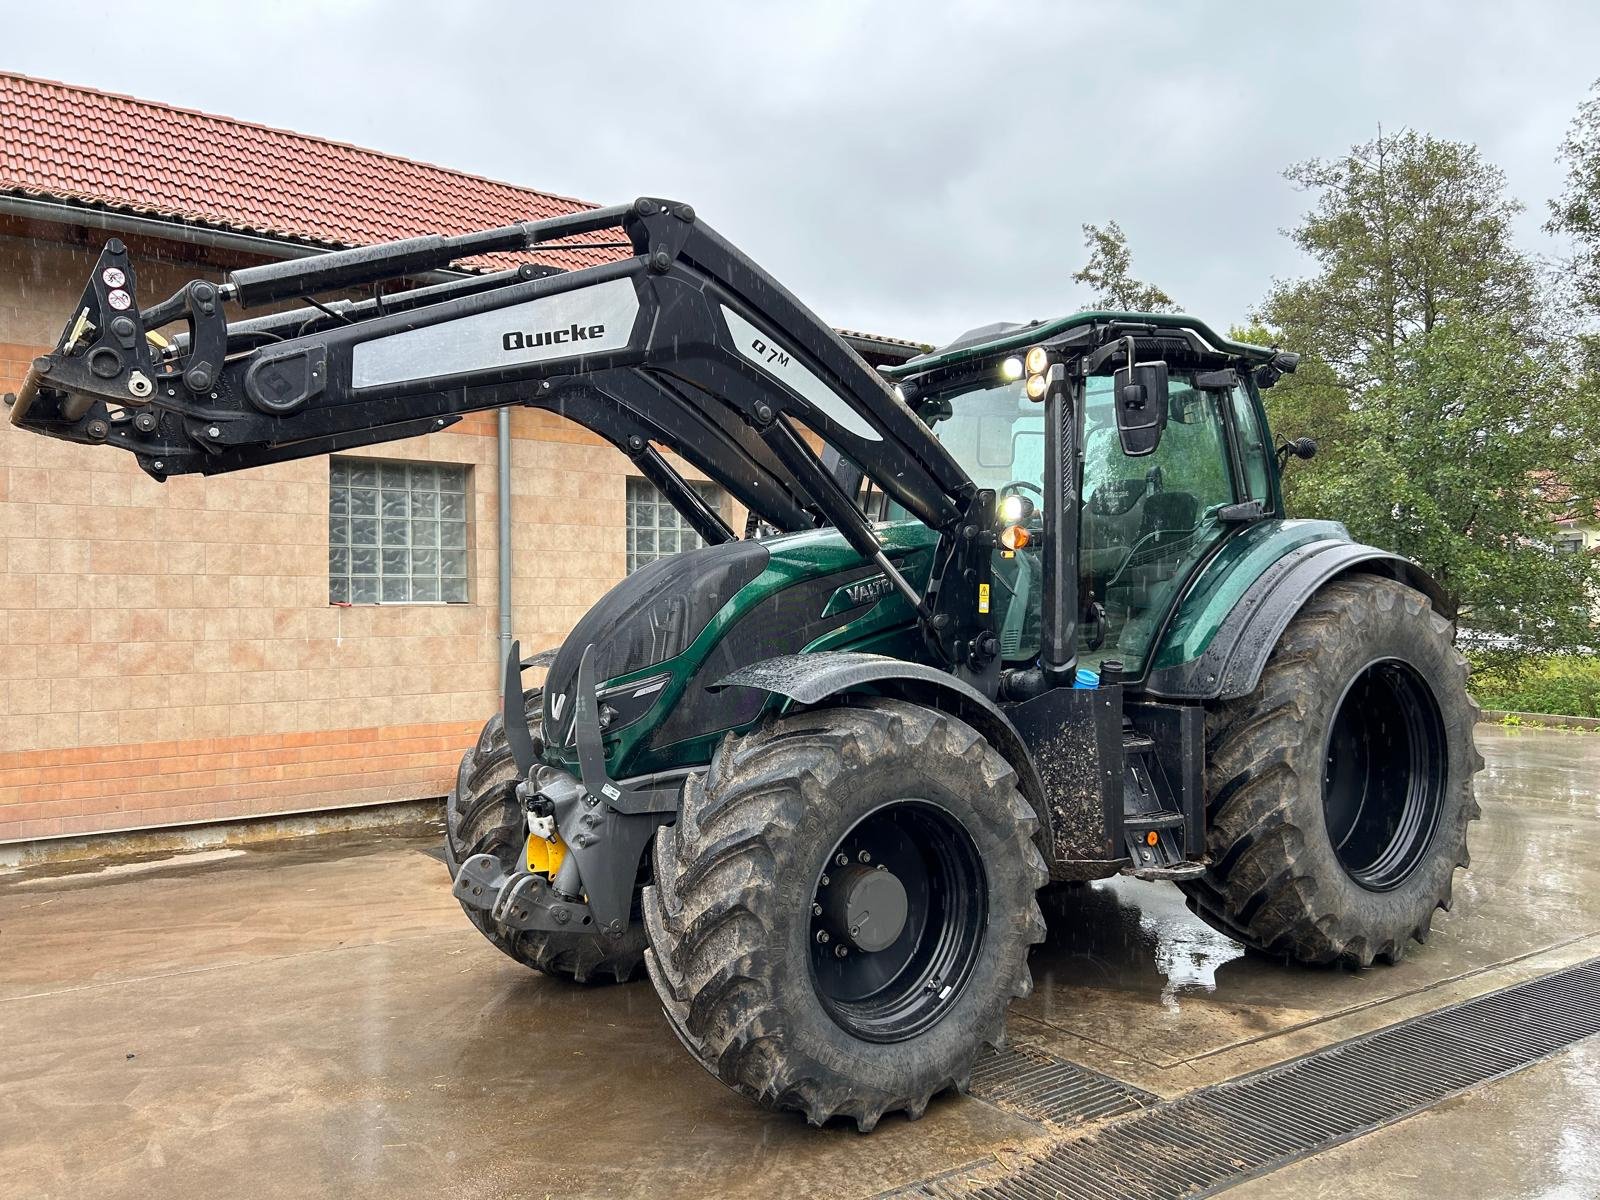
(914, 168)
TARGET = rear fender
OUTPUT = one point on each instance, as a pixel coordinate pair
(1232, 663)
(822, 675)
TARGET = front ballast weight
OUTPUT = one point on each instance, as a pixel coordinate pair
(603, 824)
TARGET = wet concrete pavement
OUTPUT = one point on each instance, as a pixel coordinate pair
(320, 1019)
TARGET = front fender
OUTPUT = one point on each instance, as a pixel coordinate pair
(1236, 652)
(821, 675)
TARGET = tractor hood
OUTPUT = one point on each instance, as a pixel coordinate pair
(665, 634)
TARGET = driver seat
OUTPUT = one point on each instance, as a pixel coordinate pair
(1166, 527)
(1167, 514)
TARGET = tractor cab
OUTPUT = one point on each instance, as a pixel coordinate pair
(1147, 513)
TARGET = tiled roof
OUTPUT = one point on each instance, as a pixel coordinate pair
(82, 145)
(77, 144)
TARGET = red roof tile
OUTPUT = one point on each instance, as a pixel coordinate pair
(82, 145)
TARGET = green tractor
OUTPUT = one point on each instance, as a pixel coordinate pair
(1026, 609)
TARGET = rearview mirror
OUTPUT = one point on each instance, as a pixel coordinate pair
(1141, 404)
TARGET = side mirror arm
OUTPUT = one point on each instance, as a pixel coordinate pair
(1302, 448)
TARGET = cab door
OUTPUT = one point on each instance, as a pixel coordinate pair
(1147, 522)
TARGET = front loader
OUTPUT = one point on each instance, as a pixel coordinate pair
(1023, 609)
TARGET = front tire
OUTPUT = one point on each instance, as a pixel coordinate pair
(482, 817)
(746, 882)
(1340, 790)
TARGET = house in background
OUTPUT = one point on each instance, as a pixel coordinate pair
(1577, 532)
(311, 635)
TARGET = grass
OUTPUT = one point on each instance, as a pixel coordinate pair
(1563, 684)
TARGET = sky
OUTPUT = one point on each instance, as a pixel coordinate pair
(909, 168)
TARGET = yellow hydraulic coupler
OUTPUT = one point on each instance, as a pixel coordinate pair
(545, 857)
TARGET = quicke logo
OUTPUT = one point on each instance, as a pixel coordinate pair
(518, 340)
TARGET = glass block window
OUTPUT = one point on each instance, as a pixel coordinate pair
(397, 532)
(655, 529)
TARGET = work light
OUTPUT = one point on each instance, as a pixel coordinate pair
(1011, 369)
(1038, 361)
(1035, 387)
(1015, 509)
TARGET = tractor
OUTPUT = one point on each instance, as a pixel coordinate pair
(1020, 612)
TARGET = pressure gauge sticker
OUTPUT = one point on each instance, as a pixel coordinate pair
(113, 276)
(119, 299)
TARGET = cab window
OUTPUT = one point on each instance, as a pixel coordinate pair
(1252, 446)
(1146, 522)
(997, 435)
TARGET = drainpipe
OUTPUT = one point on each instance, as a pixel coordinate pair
(503, 543)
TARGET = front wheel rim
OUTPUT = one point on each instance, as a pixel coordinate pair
(1384, 775)
(904, 988)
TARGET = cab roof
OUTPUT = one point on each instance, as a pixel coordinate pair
(1002, 337)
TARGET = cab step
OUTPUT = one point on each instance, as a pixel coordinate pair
(1160, 819)
(1168, 872)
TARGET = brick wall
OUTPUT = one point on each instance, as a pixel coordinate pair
(168, 653)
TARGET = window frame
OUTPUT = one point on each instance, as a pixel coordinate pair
(1273, 501)
(715, 497)
(382, 549)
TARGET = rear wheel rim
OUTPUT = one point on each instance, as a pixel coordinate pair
(902, 990)
(1384, 775)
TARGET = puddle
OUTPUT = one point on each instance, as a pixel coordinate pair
(139, 867)
(1130, 936)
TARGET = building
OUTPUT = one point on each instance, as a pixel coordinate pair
(317, 634)
(1577, 531)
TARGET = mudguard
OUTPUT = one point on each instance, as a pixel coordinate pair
(820, 675)
(1232, 663)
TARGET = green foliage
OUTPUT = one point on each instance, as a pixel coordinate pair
(1452, 429)
(1576, 212)
(1406, 229)
(1109, 272)
(1567, 685)
(1449, 464)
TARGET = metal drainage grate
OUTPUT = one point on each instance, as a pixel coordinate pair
(1214, 1138)
(1047, 1088)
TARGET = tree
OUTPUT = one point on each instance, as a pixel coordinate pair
(1406, 228)
(1109, 273)
(1450, 425)
(1576, 213)
(1461, 464)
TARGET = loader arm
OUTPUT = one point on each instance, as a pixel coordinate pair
(686, 343)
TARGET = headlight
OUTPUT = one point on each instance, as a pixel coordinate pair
(1011, 369)
(1038, 361)
(1015, 509)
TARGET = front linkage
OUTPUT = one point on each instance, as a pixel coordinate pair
(602, 824)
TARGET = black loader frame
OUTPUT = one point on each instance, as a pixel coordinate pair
(686, 342)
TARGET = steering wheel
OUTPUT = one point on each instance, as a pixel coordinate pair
(1017, 485)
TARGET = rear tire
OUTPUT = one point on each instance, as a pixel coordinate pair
(735, 954)
(1340, 790)
(482, 817)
